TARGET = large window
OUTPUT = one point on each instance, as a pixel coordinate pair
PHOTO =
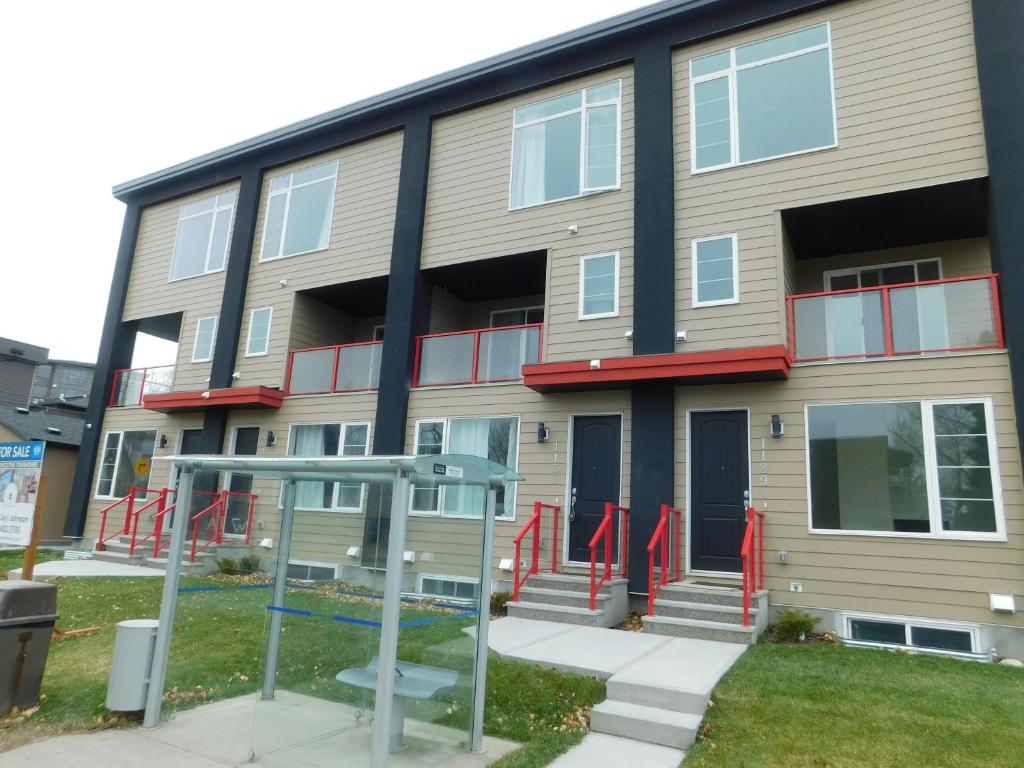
(299, 212)
(923, 468)
(566, 146)
(342, 439)
(767, 99)
(204, 230)
(121, 453)
(495, 438)
(715, 270)
(599, 286)
(206, 337)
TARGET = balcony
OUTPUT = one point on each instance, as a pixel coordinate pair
(339, 368)
(482, 356)
(958, 314)
(132, 384)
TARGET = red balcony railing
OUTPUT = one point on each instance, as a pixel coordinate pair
(132, 384)
(481, 356)
(955, 314)
(340, 368)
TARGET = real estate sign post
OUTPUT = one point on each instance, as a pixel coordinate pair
(21, 496)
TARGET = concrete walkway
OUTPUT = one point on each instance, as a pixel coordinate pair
(60, 568)
(658, 686)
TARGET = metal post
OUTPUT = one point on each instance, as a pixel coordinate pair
(388, 651)
(476, 738)
(284, 545)
(168, 604)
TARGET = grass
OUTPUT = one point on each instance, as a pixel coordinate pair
(827, 706)
(218, 653)
(11, 558)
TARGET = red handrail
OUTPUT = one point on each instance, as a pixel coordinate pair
(333, 389)
(130, 514)
(887, 325)
(474, 377)
(661, 538)
(216, 536)
(752, 555)
(534, 524)
(161, 501)
(604, 530)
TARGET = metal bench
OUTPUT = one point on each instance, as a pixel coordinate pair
(412, 681)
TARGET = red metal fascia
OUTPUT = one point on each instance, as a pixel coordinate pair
(253, 397)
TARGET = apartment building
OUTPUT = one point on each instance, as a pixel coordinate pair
(711, 255)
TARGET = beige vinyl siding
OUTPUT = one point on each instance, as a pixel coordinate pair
(960, 258)
(189, 376)
(928, 577)
(468, 217)
(449, 313)
(316, 536)
(908, 114)
(118, 419)
(362, 228)
(150, 292)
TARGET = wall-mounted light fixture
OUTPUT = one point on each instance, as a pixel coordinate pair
(542, 433)
(778, 428)
(271, 439)
(163, 441)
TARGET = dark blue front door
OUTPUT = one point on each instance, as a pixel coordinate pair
(594, 480)
(719, 479)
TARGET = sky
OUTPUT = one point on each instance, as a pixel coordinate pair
(98, 93)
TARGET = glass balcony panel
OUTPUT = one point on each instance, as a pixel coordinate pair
(312, 371)
(158, 380)
(844, 326)
(503, 353)
(128, 390)
(446, 359)
(946, 316)
(358, 367)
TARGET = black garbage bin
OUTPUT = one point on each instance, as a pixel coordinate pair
(28, 610)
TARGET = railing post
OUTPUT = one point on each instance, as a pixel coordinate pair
(791, 326)
(625, 541)
(130, 510)
(650, 583)
(334, 369)
(195, 538)
(760, 554)
(555, 513)
(679, 539)
(608, 541)
(746, 591)
(474, 374)
(515, 574)
(142, 386)
(248, 520)
(887, 322)
(997, 314)
(664, 547)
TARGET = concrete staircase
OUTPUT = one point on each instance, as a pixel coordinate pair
(116, 551)
(707, 612)
(565, 598)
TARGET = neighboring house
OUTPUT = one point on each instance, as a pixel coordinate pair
(711, 250)
(62, 433)
(63, 380)
(18, 363)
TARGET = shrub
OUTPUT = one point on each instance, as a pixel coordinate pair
(498, 601)
(227, 565)
(249, 564)
(792, 625)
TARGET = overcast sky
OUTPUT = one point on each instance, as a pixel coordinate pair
(99, 93)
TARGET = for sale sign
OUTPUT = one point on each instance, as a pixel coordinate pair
(21, 466)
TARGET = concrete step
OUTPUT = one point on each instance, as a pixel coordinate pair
(202, 565)
(725, 614)
(700, 630)
(660, 696)
(649, 724)
(112, 556)
(561, 613)
(570, 598)
(571, 583)
(701, 593)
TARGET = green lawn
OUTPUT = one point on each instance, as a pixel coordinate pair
(218, 653)
(827, 706)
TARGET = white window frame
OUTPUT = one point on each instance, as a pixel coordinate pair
(695, 298)
(266, 343)
(217, 208)
(583, 261)
(582, 109)
(287, 191)
(314, 564)
(908, 623)
(931, 473)
(341, 447)
(117, 460)
(445, 436)
(443, 577)
(731, 71)
(213, 338)
(828, 274)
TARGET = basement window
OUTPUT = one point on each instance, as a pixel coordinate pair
(304, 570)
(888, 632)
(454, 587)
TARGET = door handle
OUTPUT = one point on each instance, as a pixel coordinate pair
(572, 506)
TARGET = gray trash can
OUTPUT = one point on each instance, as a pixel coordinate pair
(28, 610)
(133, 660)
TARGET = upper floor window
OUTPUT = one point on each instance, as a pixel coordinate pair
(599, 286)
(763, 100)
(501, 318)
(204, 230)
(715, 271)
(566, 146)
(259, 332)
(299, 212)
(206, 336)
